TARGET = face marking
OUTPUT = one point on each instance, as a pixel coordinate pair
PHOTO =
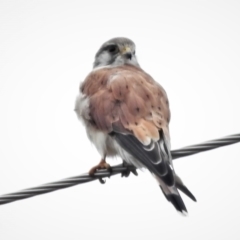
(116, 52)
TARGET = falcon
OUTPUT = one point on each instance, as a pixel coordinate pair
(126, 113)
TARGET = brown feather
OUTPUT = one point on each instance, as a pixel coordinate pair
(129, 100)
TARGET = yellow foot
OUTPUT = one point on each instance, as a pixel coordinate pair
(101, 165)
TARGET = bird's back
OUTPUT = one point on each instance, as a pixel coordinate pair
(127, 98)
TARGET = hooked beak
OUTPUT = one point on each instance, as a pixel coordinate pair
(126, 52)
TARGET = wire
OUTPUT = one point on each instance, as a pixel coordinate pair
(206, 146)
(124, 170)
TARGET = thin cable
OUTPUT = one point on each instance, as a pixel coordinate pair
(83, 178)
(206, 146)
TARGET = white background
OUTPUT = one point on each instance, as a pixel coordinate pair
(47, 47)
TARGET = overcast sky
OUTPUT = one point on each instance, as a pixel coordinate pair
(192, 48)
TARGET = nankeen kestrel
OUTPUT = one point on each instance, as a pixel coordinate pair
(126, 113)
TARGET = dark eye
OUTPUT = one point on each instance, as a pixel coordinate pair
(134, 52)
(113, 49)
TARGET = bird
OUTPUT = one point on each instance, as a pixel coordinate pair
(126, 113)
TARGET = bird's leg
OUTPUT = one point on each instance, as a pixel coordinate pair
(128, 170)
(102, 165)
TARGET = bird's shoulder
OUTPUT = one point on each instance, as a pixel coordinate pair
(126, 75)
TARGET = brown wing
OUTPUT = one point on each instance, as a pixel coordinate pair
(127, 99)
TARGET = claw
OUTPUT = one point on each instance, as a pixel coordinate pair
(134, 171)
(102, 181)
(101, 165)
(127, 172)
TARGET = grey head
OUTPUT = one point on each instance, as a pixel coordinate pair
(116, 52)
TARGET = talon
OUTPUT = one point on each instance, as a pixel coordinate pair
(102, 181)
(127, 172)
(92, 171)
(101, 165)
(134, 171)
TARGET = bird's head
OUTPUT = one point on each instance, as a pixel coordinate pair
(116, 52)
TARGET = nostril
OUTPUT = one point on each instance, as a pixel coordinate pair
(128, 55)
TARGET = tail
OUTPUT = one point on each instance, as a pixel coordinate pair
(170, 191)
(179, 184)
(156, 157)
(173, 196)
